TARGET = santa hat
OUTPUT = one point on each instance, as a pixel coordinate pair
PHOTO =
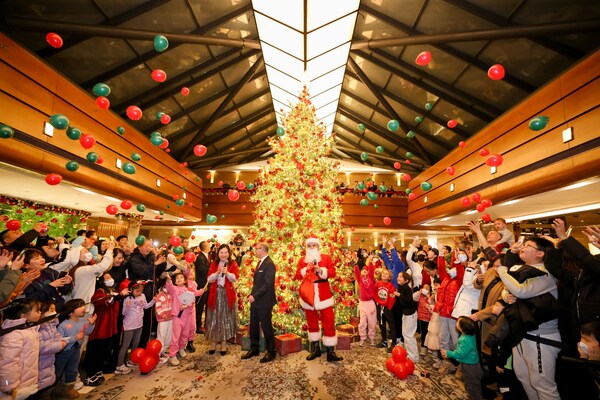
(312, 239)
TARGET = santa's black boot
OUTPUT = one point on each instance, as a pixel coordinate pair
(315, 350)
(331, 356)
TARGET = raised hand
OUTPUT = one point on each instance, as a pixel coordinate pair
(5, 257)
(18, 263)
(559, 226)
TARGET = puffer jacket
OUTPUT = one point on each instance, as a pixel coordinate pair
(19, 352)
(448, 288)
(50, 344)
(468, 296)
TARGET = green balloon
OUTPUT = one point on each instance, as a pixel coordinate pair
(159, 114)
(128, 168)
(72, 166)
(181, 236)
(222, 216)
(91, 157)
(140, 240)
(155, 133)
(428, 106)
(136, 157)
(372, 196)
(160, 43)
(410, 134)
(6, 132)
(101, 89)
(408, 191)
(120, 130)
(379, 149)
(360, 186)
(361, 127)
(393, 125)
(409, 154)
(250, 185)
(140, 207)
(156, 140)
(280, 131)
(168, 206)
(180, 202)
(364, 156)
(538, 123)
(73, 133)
(178, 250)
(161, 212)
(375, 206)
(383, 188)
(418, 119)
(59, 121)
(426, 186)
(211, 219)
(364, 202)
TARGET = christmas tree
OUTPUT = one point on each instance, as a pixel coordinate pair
(296, 198)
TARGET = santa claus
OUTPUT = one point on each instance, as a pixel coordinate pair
(316, 299)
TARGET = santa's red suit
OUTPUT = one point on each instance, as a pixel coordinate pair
(318, 303)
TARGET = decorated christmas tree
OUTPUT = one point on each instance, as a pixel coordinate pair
(296, 198)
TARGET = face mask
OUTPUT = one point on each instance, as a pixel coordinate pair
(375, 259)
(452, 273)
(425, 292)
(462, 258)
(109, 283)
(87, 257)
(421, 257)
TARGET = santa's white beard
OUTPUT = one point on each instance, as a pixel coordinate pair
(312, 255)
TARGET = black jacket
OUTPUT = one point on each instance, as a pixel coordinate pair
(143, 269)
(201, 266)
(263, 289)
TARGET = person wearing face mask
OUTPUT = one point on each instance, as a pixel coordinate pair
(447, 291)
(415, 262)
(467, 299)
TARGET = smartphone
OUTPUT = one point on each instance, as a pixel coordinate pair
(583, 347)
(521, 239)
(482, 268)
(569, 230)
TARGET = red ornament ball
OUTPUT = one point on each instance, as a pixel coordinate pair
(53, 179)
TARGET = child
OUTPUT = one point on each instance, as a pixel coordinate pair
(466, 354)
(423, 315)
(181, 311)
(507, 236)
(192, 287)
(19, 350)
(51, 342)
(385, 302)
(133, 316)
(409, 315)
(432, 340)
(367, 309)
(164, 305)
(73, 330)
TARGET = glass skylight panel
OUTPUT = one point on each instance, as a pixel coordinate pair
(281, 94)
(282, 61)
(331, 60)
(324, 111)
(289, 12)
(327, 96)
(280, 36)
(327, 81)
(283, 80)
(330, 36)
(279, 105)
(321, 12)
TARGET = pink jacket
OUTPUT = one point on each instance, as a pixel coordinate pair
(164, 306)
(50, 344)
(19, 352)
(175, 291)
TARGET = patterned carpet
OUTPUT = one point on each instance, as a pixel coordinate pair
(361, 375)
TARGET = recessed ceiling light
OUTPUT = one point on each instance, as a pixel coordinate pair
(578, 185)
(555, 212)
(111, 198)
(508, 203)
(86, 191)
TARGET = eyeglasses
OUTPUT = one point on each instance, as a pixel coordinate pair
(532, 246)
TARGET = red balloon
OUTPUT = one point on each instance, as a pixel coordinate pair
(100, 160)
(147, 364)
(397, 165)
(233, 195)
(240, 185)
(400, 370)
(480, 207)
(134, 113)
(165, 119)
(423, 58)
(185, 91)
(220, 183)
(13, 224)
(103, 102)
(484, 152)
(87, 141)
(495, 160)
(243, 206)
(53, 179)
(352, 229)
(465, 201)
(164, 144)
(137, 355)
(410, 366)
(390, 364)
(387, 220)
(461, 144)
(450, 170)
(175, 240)
(159, 75)
(412, 196)
(153, 348)
(54, 40)
(486, 203)
(451, 123)
(406, 177)
(190, 257)
(126, 204)
(112, 209)
(399, 354)
(199, 150)
(486, 217)
(193, 237)
(476, 197)
(496, 72)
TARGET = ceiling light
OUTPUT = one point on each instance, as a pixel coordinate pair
(579, 185)
(111, 198)
(48, 129)
(508, 203)
(552, 213)
(470, 212)
(86, 191)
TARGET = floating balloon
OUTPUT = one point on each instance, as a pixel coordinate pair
(128, 168)
(240, 185)
(140, 240)
(379, 149)
(450, 170)
(87, 141)
(383, 188)
(164, 144)
(190, 256)
(185, 91)
(451, 123)
(364, 156)
(476, 197)
(91, 157)
(364, 202)
(233, 195)
(418, 119)
(496, 72)
(72, 166)
(140, 207)
(423, 58)
(372, 196)
(410, 135)
(465, 201)
(361, 127)
(180, 202)
(54, 40)
(461, 144)
(412, 196)
(120, 130)
(175, 240)
(112, 209)
(103, 102)
(126, 204)
(428, 106)
(160, 43)
(538, 123)
(101, 89)
(426, 186)
(406, 177)
(6, 132)
(147, 364)
(409, 154)
(53, 179)
(397, 165)
(393, 125)
(199, 150)
(480, 207)
(100, 160)
(495, 160)
(408, 190)
(484, 152)
(159, 114)
(165, 119)
(59, 121)
(156, 140)
(387, 220)
(178, 250)
(486, 217)
(211, 219)
(280, 131)
(360, 186)
(134, 113)
(136, 156)
(73, 133)
(13, 224)
(486, 203)
(159, 75)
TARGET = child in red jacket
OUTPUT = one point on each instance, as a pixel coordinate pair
(384, 297)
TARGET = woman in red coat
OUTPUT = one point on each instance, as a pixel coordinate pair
(221, 316)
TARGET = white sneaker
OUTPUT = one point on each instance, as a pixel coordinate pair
(163, 359)
(130, 364)
(122, 370)
(423, 351)
(182, 353)
(438, 363)
(361, 343)
(78, 384)
(173, 361)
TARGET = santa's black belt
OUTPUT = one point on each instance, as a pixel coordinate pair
(320, 280)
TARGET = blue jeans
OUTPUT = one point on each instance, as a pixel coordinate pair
(67, 363)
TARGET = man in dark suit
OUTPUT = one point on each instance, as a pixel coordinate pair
(262, 299)
(201, 266)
